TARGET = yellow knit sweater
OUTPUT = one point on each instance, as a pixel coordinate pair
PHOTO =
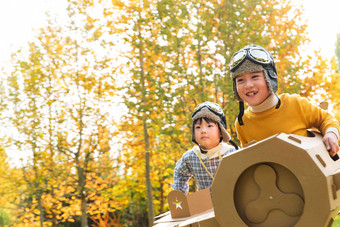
(295, 116)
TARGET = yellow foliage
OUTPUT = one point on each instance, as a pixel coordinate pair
(175, 56)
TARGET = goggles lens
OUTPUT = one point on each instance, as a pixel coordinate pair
(258, 55)
(214, 107)
(237, 58)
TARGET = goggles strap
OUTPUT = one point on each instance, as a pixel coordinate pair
(206, 169)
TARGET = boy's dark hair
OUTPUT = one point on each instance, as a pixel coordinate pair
(208, 120)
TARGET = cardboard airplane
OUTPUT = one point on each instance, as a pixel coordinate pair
(284, 180)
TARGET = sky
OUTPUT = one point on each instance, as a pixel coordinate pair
(19, 18)
(323, 23)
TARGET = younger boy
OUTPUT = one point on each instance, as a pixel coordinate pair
(210, 135)
(255, 82)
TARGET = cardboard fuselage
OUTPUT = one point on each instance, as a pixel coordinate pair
(284, 180)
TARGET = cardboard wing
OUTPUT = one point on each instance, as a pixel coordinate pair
(188, 210)
(184, 206)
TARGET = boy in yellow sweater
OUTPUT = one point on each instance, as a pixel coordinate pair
(255, 82)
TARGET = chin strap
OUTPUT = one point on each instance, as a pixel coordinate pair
(278, 103)
(241, 107)
(240, 114)
(201, 150)
(234, 144)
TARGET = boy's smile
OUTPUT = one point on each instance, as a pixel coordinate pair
(252, 88)
(251, 93)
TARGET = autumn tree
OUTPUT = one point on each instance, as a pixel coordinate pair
(142, 93)
(88, 92)
(30, 102)
(61, 96)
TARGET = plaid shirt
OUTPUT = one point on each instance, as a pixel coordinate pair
(189, 165)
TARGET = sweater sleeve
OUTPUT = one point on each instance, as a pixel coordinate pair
(182, 175)
(317, 117)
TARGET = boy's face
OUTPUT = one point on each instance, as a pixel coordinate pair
(207, 135)
(252, 88)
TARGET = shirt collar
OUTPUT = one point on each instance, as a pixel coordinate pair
(221, 148)
(270, 101)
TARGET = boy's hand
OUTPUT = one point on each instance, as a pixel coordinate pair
(331, 142)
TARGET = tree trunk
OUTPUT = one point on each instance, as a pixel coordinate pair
(83, 219)
(82, 182)
(147, 175)
(146, 141)
(41, 210)
(161, 199)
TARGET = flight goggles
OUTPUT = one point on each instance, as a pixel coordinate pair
(256, 54)
(213, 107)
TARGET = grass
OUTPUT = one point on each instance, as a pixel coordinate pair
(336, 222)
